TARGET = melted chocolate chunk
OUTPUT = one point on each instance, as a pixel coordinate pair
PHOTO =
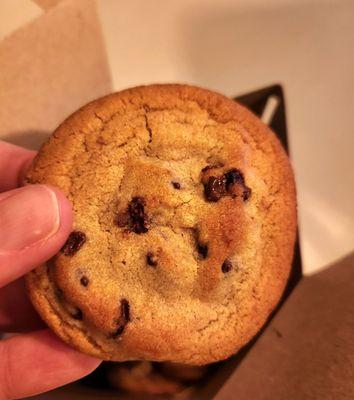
(119, 331)
(226, 266)
(135, 218)
(77, 314)
(123, 319)
(217, 187)
(176, 185)
(201, 245)
(74, 243)
(246, 193)
(84, 281)
(138, 218)
(202, 250)
(234, 176)
(151, 259)
(125, 309)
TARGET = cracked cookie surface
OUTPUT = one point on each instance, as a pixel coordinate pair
(184, 226)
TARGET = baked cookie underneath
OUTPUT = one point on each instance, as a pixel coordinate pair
(141, 377)
(184, 226)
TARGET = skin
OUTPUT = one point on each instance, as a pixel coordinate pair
(33, 348)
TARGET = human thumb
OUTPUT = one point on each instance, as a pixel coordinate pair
(34, 223)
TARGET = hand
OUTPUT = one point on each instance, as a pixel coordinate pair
(34, 223)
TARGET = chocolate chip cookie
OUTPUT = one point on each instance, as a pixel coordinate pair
(153, 378)
(141, 377)
(184, 226)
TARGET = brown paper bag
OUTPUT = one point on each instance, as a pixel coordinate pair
(49, 68)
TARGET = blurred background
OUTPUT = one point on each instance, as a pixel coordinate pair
(239, 46)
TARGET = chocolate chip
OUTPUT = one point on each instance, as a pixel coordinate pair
(75, 241)
(134, 218)
(226, 266)
(123, 319)
(84, 281)
(138, 218)
(215, 188)
(202, 250)
(176, 185)
(125, 309)
(200, 244)
(118, 331)
(246, 193)
(77, 314)
(124, 262)
(151, 259)
(234, 176)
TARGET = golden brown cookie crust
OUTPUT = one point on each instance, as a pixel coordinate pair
(186, 275)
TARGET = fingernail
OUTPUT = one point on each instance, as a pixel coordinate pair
(27, 217)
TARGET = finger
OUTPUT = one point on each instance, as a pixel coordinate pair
(14, 161)
(34, 223)
(17, 313)
(38, 362)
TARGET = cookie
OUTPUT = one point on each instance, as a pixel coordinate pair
(181, 372)
(184, 226)
(141, 377)
(153, 378)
